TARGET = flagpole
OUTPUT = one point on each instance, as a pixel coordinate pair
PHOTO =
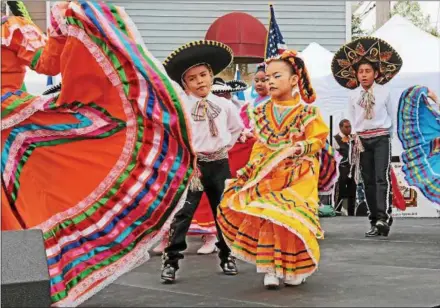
(267, 36)
(50, 80)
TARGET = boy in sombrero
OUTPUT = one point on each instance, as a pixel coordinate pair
(216, 126)
(364, 66)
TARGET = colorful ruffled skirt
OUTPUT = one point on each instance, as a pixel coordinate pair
(419, 132)
(269, 215)
(101, 168)
(203, 221)
(329, 160)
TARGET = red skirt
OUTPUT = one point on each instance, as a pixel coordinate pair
(203, 221)
(398, 200)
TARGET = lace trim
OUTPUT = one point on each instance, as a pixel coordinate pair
(32, 39)
(137, 257)
(36, 105)
(24, 137)
(315, 229)
(58, 23)
(236, 253)
(142, 83)
(112, 75)
(103, 221)
(281, 274)
(140, 255)
(130, 134)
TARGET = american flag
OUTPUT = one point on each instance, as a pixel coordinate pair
(275, 42)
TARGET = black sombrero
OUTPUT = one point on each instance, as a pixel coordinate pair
(231, 86)
(373, 49)
(217, 55)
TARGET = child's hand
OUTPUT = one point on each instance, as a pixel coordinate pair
(245, 135)
(297, 149)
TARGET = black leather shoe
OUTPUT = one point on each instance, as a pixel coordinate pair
(374, 231)
(168, 274)
(383, 227)
(228, 266)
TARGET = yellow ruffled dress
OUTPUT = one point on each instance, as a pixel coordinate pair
(269, 213)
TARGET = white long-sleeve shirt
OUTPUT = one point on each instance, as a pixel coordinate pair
(228, 123)
(383, 110)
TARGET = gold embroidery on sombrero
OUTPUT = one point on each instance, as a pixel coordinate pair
(372, 49)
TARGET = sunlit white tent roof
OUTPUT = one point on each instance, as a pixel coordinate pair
(317, 60)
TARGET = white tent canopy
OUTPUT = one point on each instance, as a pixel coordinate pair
(331, 98)
(317, 60)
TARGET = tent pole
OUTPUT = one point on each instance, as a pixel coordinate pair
(331, 130)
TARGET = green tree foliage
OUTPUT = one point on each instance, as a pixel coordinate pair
(356, 30)
(412, 11)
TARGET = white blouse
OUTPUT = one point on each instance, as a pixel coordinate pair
(383, 110)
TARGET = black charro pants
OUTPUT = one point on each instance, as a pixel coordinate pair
(213, 177)
(376, 173)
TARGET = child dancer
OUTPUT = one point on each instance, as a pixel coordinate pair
(216, 126)
(269, 213)
(365, 65)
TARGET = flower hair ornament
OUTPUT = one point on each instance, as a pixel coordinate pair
(306, 90)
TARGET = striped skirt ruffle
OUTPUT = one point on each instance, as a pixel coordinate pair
(274, 224)
(419, 132)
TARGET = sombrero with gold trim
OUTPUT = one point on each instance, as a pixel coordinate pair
(230, 86)
(373, 49)
(217, 55)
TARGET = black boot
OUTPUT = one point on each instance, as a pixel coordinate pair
(383, 227)
(373, 232)
(228, 266)
(168, 274)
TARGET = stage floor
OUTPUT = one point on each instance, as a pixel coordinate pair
(402, 270)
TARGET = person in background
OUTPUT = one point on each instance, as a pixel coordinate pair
(260, 84)
(346, 186)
